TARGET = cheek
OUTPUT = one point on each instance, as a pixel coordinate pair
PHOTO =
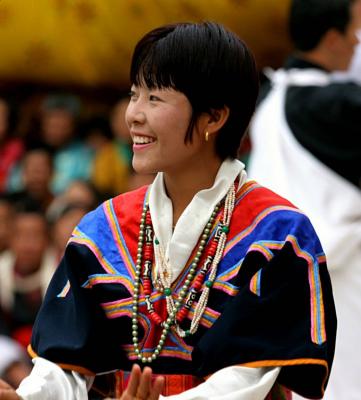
(178, 125)
(127, 116)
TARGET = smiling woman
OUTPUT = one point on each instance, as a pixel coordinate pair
(216, 283)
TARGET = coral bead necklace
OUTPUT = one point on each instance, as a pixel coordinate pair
(179, 306)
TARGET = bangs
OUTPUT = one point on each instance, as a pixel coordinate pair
(153, 70)
(156, 63)
(168, 59)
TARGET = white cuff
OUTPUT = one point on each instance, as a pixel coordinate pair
(48, 381)
(233, 383)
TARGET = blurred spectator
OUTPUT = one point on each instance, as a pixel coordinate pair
(112, 162)
(14, 362)
(83, 193)
(11, 148)
(72, 158)
(37, 173)
(96, 132)
(67, 219)
(6, 214)
(354, 72)
(26, 269)
(80, 193)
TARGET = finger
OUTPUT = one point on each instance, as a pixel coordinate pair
(157, 388)
(133, 380)
(4, 385)
(8, 394)
(145, 384)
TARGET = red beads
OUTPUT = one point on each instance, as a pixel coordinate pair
(147, 286)
(155, 317)
(182, 313)
(148, 253)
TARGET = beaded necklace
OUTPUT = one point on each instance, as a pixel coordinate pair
(177, 309)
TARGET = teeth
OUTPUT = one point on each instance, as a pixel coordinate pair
(142, 140)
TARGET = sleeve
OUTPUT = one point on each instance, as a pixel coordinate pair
(48, 381)
(283, 315)
(233, 383)
(71, 328)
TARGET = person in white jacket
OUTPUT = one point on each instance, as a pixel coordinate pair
(306, 146)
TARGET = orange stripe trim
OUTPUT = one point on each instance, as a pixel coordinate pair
(286, 363)
(280, 363)
(76, 368)
(71, 367)
(31, 352)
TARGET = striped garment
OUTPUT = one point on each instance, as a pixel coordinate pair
(271, 303)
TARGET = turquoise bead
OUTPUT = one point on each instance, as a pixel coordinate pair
(167, 291)
(225, 229)
(209, 284)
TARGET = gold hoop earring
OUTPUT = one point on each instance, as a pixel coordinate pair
(206, 136)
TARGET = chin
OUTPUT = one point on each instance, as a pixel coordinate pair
(144, 168)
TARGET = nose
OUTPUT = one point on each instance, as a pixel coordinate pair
(135, 113)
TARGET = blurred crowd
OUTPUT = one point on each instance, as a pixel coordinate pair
(50, 177)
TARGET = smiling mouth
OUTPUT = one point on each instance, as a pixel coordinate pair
(143, 140)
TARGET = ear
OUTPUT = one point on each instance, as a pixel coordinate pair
(216, 119)
(212, 121)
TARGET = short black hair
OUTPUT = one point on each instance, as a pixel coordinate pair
(309, 20)
(210, 65)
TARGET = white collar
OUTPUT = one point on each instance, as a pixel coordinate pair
(179, 244)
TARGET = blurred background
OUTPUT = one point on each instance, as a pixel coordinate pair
(88, 43)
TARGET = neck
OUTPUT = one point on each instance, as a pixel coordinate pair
(317, 57)
(182, 186)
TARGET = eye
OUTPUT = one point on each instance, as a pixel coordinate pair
(133, 96)
(152, 97)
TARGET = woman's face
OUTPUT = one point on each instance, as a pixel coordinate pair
(158, 120)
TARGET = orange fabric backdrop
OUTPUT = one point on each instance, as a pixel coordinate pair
(89, 42)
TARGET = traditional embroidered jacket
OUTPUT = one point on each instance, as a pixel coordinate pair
(271, 303)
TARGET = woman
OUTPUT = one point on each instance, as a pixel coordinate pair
(202, 275)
